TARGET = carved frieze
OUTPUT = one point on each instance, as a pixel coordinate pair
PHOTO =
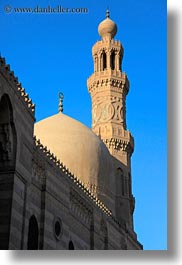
(79, 207)
(113, 109)
(119, 144)
(6, 146)
(38, 168)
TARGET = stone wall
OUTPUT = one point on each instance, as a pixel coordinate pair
(42, 204)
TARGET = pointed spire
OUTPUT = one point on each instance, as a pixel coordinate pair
(60, 107)
(107, 13)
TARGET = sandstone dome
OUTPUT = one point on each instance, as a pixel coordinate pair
(77, 147)
(107, 28)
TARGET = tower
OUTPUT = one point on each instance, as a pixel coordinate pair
(108, 87)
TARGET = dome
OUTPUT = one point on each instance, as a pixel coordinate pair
(83, 153)
(107, 27)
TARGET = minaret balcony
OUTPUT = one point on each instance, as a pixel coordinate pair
(108, 75)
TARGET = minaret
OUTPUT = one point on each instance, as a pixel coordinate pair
(108, 87)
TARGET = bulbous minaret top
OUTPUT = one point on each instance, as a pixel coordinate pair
(107, 28)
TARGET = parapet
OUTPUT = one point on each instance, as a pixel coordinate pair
(16, 86)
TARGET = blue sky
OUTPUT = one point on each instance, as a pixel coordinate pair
(52, 52)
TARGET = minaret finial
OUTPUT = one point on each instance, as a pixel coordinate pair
(107, 13)
(60, 107)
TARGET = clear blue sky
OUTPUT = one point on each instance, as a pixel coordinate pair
(52, 52)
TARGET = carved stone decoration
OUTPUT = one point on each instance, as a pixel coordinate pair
(79, 207)
(96, 114)
(113, 109)
(38, 169)
(6, 146)
(119, 144)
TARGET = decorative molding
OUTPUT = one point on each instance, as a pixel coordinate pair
(112, 109)
(75, 180)
(119, 144)
(38, 168)
(103, 44)
(115, 80)
(26, 98)
(80, 208)
(13, 81)
(6, 145)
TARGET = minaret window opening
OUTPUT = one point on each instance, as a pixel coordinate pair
(120, 189)
(112, 60)
(120, 62)
(103, 61)
(129, 184)
(126, 186)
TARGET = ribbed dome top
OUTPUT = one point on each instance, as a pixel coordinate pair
(77, 147)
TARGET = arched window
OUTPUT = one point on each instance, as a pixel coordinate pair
(71, 246)
(33, 234)
(120, 187)
(129, 184)
(7, 164)
(103, 61)
(112, 60)
(120, 63)
(7, 133)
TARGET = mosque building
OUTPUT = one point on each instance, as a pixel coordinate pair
(62, 185)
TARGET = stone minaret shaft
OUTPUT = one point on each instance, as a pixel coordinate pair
(108, 87)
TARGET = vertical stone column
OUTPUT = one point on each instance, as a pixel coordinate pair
(95, 63)
(117, 59)
(99, 62)
(108, 59)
